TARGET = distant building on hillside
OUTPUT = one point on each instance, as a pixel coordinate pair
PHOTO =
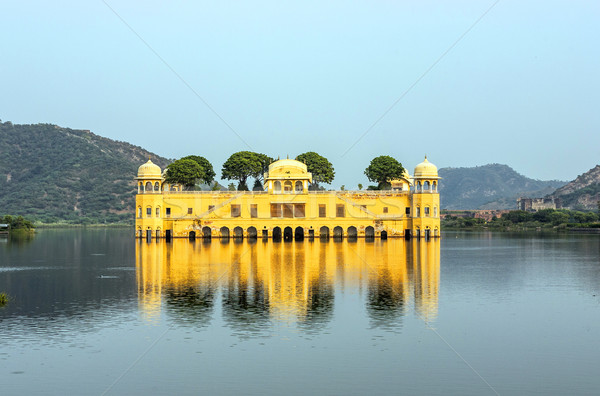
(535, 204)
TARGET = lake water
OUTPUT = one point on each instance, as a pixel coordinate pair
(96, 312)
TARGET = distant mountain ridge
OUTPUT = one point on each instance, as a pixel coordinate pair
(492, 186)
(52, 174)
(581, 193)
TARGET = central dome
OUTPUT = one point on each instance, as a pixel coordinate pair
(149, 170)
(288, 163)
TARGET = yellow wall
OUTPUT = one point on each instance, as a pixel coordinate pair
(361, 209)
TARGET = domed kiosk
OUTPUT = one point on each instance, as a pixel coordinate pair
(288, 176)
(426, 200)
(149, 177)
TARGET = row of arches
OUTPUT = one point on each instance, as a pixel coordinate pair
(148, 187)
(285, 233)
(426, 186)
(288, 187)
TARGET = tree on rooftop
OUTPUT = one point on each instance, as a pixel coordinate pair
(240, 166)
(383, 170)
(264, 161)
(209, 173)
(320, 167)
(185, 172)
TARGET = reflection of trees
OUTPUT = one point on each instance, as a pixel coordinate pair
(385, 301)
(320, 300)
(189, 305)
(245, 302)
(319, 306)
(18, 238)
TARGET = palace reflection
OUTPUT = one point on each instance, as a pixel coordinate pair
(255, 284)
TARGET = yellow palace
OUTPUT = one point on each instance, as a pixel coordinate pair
(287, 209)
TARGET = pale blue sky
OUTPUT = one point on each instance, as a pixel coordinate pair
(521, 88)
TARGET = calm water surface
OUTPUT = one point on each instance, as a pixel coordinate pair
(95, 312)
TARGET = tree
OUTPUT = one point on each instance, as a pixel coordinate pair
(360, 186)
(264, 161)
(320, 167)
(241, 165)
(184, 171)
(209, 173)
(519, 216)
(558, 218)
(383, 170)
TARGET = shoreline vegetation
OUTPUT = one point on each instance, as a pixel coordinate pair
(17, 223)
(519, 220)
(4, 299)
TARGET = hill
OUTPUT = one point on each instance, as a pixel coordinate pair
(492, 186)
(581, 193)
(53, 174)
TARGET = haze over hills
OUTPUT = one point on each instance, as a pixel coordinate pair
(492, 186)
(53, 174)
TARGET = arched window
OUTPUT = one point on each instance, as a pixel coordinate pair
(434, 186)
(148, 187)
(277, 186)
(156, 187)
(298, 186)
(418, 211)
(418, 186)
(435, 211)
(426, 210)
(287, 187)
(426, 186)
(139, 211)
(158, 211)
(140, 187)
(149, 211)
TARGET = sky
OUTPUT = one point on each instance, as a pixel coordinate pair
(466, 83)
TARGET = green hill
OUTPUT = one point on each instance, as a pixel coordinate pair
(53, 174)
(492, 186)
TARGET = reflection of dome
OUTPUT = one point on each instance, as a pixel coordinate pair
(426, 169)
(149, 169)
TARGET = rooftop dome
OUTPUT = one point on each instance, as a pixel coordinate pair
(149, 169)
(287, 163)
(288, 169)
(426, 170)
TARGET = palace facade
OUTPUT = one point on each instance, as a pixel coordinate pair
(287, 209)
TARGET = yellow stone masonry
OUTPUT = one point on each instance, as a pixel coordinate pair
(287, 209)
